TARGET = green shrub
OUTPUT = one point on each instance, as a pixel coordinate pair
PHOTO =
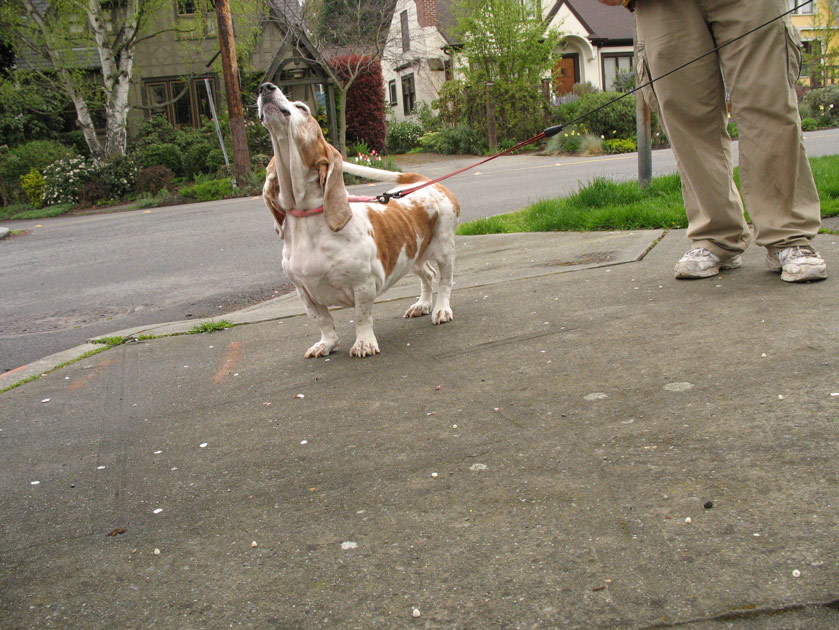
(427, 118)
(154, 130)
(403, 135)
(153, 179)
(195, 160)
(17, 162)
(614, 121)
(33, 186)
(209, 191)
(214, 162)
(519, 108)
(823, 103)
(620, 145)
(809, 124)
(462, 140)
(168, 155)
(119, 176)
(566, 141)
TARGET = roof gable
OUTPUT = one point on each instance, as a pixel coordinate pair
(602, 22)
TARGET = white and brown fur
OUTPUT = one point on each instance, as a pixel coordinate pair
(351, 252)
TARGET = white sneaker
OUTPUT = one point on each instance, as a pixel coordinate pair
(702, 263)
(797, 264)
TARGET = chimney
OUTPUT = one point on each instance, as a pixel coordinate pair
(426, 12)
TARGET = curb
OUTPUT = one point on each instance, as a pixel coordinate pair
(4, 232)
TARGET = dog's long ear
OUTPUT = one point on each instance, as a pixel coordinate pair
(336, 208)
(271, 196)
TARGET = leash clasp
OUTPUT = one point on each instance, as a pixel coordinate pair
(385, 197)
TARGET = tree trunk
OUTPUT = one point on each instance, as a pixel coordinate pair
(117, 59)
(83, 117)
(241, 157)
(342, 121)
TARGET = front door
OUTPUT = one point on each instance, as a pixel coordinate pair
(566, 73)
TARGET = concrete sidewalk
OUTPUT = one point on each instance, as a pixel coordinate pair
(589, 444)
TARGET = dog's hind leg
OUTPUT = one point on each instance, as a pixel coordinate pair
(328, 337)
(426, 275)
(365, 341)
(442, 309)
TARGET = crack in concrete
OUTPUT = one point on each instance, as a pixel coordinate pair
(738, 615)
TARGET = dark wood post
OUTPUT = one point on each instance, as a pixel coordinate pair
(241, 157)
(492, 136)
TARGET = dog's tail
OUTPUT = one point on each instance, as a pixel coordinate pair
(381, 175)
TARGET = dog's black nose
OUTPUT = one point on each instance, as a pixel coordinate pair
(267, 88)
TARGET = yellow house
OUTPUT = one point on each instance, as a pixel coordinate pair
(818, 22)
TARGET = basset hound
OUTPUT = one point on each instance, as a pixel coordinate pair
(342, 253)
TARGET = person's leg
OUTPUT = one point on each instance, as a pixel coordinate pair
(693, 111)
(761, 71)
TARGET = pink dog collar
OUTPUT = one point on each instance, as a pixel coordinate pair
(310, 213)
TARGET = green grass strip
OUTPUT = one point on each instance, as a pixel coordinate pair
(605, 205)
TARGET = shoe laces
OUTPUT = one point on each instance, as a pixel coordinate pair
(699, 253)
(797, 251)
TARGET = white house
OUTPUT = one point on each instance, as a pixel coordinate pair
(598, 43)
(422, 54)
(419, 54)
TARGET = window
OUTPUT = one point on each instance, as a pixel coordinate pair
(615, 65)
(391, 90)
(182, 103)
(409, 94)
(406, 34)
(805, 8)
(186, 7)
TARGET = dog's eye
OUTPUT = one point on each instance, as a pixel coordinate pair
(302, 107)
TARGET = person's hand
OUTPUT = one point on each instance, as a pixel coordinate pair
(612, 3)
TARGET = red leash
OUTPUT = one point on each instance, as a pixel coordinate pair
(387, 196)
(547, 133)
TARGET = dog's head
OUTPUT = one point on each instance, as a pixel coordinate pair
(300, 151)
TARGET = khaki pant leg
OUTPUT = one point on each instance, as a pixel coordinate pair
(693, 112)
(761, 71)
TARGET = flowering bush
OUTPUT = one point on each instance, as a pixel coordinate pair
(823, 105)
(64, 179)
(373, 160)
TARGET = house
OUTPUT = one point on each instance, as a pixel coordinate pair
(817, 22)
(419, 56)
(598, 43)
(422, 52)
(177, 72)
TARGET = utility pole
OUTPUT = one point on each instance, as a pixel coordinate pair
(241, 158)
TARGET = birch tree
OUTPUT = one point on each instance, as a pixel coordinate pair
(63, 34)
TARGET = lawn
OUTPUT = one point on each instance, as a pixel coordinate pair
(607, 205)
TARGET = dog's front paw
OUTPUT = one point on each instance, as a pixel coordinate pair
(442, 315)
(320, 349)
(418, 309)
(364, 348)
